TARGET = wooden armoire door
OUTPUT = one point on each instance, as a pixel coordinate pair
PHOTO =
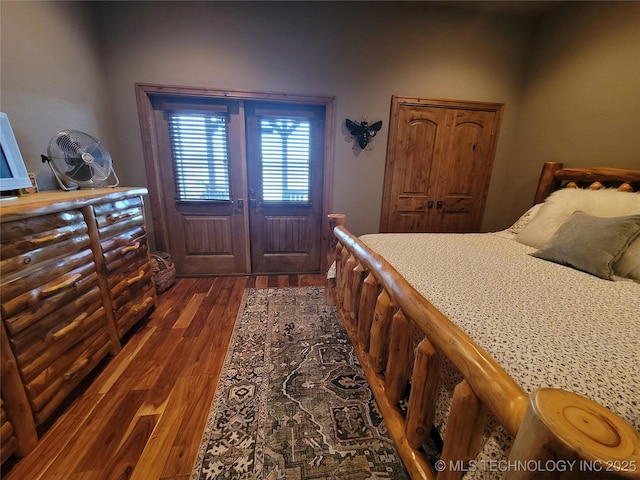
(439, 161)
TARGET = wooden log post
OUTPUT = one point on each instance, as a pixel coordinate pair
(547, 182)
(341, 252)
(356, 277)
(341, 274)
(421, 409)
(573, 437)
(333, 220)
(379, 342)
(347, 285)
(400, 357)
(366, 310)
(466, 422)
(16, 403)
(103, 276)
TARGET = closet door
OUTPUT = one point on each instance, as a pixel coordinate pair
(460, 187)
(439, 161)
(416, 143)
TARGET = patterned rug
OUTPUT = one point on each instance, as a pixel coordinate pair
(292, 402)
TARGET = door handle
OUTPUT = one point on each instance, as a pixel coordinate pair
(252, 199)
(430, 204)
(439, 204)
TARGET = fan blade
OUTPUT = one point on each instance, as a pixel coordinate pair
(81, 172)
(101, 160)
(100, 172)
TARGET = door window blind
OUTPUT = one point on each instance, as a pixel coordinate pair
(199, 145)
(285, 155)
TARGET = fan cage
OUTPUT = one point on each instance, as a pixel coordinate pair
(78, 159)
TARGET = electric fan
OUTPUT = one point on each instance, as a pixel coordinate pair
(79, 160)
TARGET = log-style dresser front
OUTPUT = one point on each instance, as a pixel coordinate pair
(125, 249)
(75, 276)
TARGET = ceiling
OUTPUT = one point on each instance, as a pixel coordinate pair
(518, 8)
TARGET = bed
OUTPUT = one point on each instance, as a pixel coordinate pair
(518, 359)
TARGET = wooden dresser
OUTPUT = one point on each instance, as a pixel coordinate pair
(75, 277)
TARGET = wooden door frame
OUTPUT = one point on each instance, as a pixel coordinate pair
(144, 95)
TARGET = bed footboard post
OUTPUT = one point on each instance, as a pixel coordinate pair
(333, 220)
(378, 340)
(423, 396)
(464, 430)
(366, 310)
(400, 357)
(563, 431)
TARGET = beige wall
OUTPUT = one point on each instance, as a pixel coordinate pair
(51, 77)
(362, 53)
(64, 68)
(581, 100)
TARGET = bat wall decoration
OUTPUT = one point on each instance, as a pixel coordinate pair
(363, 131)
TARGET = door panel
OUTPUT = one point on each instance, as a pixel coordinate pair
(410, 162)
(285, 181)
(463, 179)
(207, 235)
(206, 231)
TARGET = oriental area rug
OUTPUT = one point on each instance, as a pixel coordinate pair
(292, 401)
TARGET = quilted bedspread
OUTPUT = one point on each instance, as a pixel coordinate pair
(546, 324)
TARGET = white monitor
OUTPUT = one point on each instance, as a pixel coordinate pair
(13, 173)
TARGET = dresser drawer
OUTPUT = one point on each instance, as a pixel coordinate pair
(49, 389)
(125, 251)
(130, 282)
(30, 243)
(119, 216)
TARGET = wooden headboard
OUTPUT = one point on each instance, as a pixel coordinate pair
(554, 177)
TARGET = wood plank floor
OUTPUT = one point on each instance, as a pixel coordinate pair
(142, 415)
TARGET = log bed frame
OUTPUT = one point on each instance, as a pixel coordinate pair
(380, 311)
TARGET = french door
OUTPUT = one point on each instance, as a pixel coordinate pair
(240, 182)
(284, 166)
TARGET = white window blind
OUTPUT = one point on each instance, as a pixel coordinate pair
(285, 154)
(199, 144)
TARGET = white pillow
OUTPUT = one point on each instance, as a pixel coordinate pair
(561, 204)
(524, 220)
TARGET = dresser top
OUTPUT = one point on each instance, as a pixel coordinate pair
(50, 201)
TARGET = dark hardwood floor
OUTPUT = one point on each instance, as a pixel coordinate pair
(142, 414)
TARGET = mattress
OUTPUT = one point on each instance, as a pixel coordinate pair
(546, 324)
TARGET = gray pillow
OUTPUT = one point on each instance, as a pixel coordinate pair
(591, 244)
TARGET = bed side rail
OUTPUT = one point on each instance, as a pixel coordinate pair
(382, 314)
